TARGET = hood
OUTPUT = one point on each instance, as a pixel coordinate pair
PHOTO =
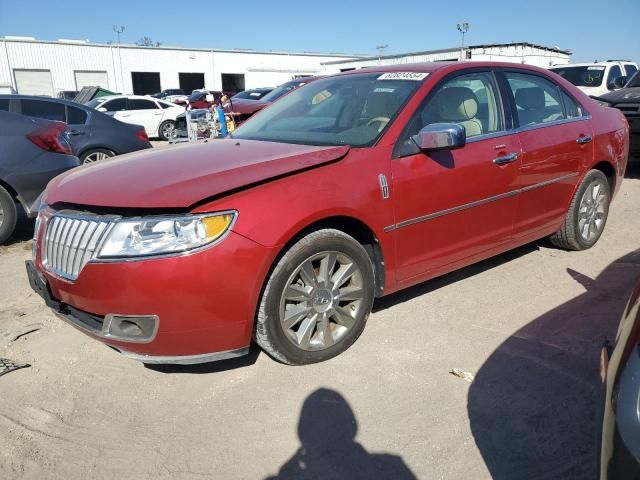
(246, 106)
(178, 177)
(624, 95)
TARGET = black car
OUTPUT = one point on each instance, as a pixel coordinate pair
(168, 92)
(93, 135)
(254, 94)
(627, 100)
(33, 152)
(620, 369)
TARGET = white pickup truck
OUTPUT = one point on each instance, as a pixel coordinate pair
(597, 78)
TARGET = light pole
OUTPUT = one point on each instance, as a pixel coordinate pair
(119, 30)
(381, 49)
(463, 28)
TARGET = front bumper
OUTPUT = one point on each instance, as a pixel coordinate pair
(204, 301)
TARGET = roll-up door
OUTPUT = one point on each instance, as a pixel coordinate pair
(91, 79)
(34, 82)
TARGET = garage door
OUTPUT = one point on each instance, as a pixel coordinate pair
(34, 82)
(91, 79)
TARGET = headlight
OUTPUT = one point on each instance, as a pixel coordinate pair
(159, 235)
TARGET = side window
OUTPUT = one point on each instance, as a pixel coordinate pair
(4, 104)
(116, 105)
(630, 68)
(537, 99)
(75, 116)
(614, 73)
(165, 105)
(572, 109)
(43, 109)
(137, 104)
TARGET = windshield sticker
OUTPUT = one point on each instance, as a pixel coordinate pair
(416, 76)
(595, 68)
(384, 90)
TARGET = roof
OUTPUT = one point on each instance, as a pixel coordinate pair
(455, 50)
(591, 64)
(81, 43)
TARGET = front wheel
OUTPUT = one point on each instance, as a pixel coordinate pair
(587, 215)
(317, 300)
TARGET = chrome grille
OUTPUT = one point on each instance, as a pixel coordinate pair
(70, 242)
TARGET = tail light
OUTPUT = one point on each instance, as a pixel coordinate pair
(142, 135)
(49, 138)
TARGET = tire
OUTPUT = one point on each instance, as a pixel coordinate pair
(165, 129)
(587, 215)
(332, 324)
(8, 215)
(96, 155)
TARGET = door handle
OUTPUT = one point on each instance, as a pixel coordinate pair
(582, 140)
(512, 157)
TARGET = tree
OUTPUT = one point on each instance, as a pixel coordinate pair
(147, 42)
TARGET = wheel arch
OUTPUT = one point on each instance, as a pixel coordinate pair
(96, 147)
(609, 171)
(9, 189)
(353, 227)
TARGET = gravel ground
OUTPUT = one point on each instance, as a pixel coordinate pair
(528, 324)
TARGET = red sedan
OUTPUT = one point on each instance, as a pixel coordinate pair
(350, 188)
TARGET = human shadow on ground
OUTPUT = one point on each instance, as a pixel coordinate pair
(327, 429)
(534, 406)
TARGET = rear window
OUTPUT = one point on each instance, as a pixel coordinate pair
(136, 104)
(115, 105)
(630, 68)
(43, 109)
(582, 76)
(75, 116)
(4, 104)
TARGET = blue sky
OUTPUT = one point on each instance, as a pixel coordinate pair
(586, 27)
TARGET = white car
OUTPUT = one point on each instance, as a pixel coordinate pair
(158, 117)
(597, 78)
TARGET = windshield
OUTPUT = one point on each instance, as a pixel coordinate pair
(194, 97)
(95, 102)
(582, 76)
(634, 82)
(276, 93)
(345, 110)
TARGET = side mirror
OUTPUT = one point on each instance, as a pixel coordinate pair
(617, 83)
(440, 136)
(102, 109)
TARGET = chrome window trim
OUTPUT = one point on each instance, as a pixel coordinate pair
(476, 203)
(527, 128)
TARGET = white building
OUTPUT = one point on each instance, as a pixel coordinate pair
(504, 52)
(36, 67)
(30, 66)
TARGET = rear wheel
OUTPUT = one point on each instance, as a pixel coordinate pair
(587, 215)
(317, 300)
(95, 155)
(167, 129)
(8, 215)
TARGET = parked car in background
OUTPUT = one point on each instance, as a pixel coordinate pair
(156, 116)
(253, 94)
(93, 135)
(245, 108)
(627, 100)
(597, 78)
(198, 99)
(67, 94)
(168, 93)
(352, 187)
(620, 370)
(33, 152)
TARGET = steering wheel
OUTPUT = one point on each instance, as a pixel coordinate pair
(381, 120)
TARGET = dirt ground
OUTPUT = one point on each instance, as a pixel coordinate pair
(528, 324)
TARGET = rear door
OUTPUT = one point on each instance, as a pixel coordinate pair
(452, 205)
(146, 113)
(556, 138)
(78, 130)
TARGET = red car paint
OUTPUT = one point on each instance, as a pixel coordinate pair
(207, 299)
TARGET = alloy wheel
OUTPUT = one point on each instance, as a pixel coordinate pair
(95, 157)
(322, 300)
(167, 130)
(592, 211)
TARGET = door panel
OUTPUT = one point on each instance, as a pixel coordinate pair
(451, 205)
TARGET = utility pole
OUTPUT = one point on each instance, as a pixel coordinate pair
(119, 30)
(381, 49)
(463, 28)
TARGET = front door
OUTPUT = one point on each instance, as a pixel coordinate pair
(454, 204)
